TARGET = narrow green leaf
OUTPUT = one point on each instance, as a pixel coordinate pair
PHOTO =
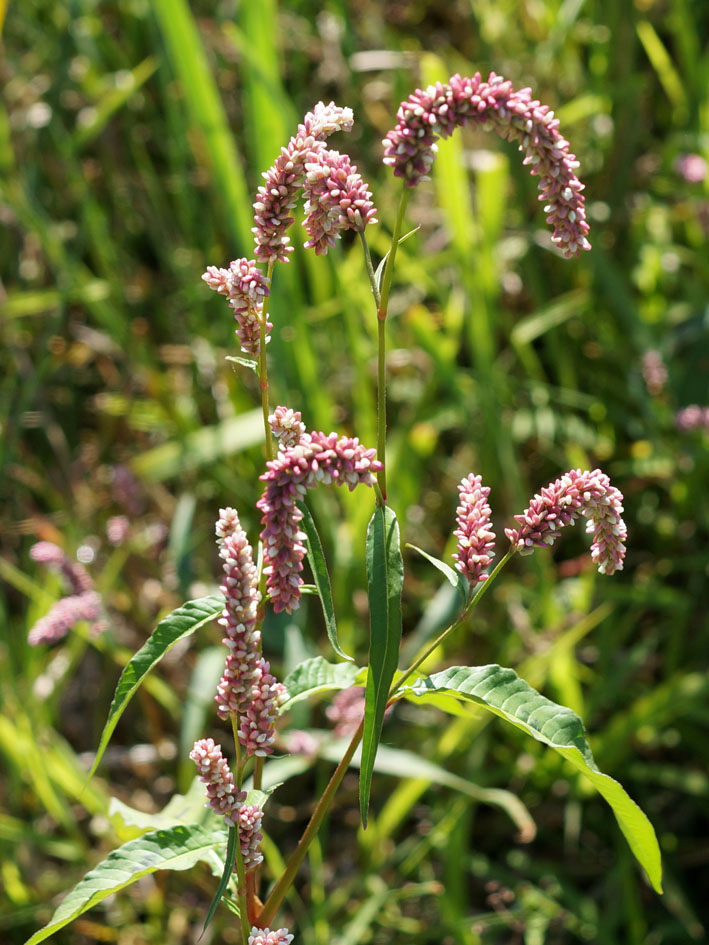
(385, 577)
(379, 274)
(502, 692)
(455, 577)
(178, 848)
(226, 876)
(316, 560)
(317, 675)
(180, 623)
(244, 362)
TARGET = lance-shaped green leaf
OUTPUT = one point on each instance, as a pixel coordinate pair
(178, 848)
(455, 577)
(385, 577)
(317, 675)
(502, 692)
(180, 623)
(226, 876)
(316, 560)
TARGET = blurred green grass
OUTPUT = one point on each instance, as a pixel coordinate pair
(132, 136)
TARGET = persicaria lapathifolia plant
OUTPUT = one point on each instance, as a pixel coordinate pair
(249, 697)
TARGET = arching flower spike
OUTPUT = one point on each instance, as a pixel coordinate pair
(437, 111)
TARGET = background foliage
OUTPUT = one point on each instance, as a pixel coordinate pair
(132, 135)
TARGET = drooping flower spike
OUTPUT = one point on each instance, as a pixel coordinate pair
(437, 111)
(589, 494)
(284, 180)
(245, 287)
(315, 459)
(213, 770)
(337, 199)
(82, 604)
(476, 539)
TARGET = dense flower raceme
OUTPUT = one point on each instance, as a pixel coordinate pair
(213, 769)
(437, 111)
(239, 618)
(83, 604)
(287, 426)
(576, 493)
(691, 418)
(269, 937)
(476, 538)
(337, 199)
(266, 695)
(245, 287)
(277, 197)
(316, 459)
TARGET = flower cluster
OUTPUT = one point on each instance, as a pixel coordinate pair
(654, 372)
(276, 199)
(693, 417)
(213, 769)
(83, 604)
(441, 108)
(250, 836)
(317, 458)
(337, 199)
(266, 695)
(575, 493)
(245, 287)
(239, 619)
(268, 937)
(287, 426)
(476, 538)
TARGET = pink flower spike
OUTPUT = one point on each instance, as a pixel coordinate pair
(284, 180)
(576, 493)
(213, 770)
(476, 539)
(317, 458)
(245, 287)
(256, 729)
(287, 426)
(268, 937)
(337, 199)
(250, 836)
(46, 552)
(65, 614)
(437, 111)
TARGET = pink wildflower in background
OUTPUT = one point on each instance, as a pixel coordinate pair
(64, 615)
(46, 552)
(268, 937)
(117, 529)
(337, 199)
(692, 417)
(692, 167)
(245, 287)
(265, 697)
(287, 426)
(346, 711)
(476, 539)
(213, 770)
(441, 108)
(284, 180)
(317, 458)
(576, 493)
(654, 372)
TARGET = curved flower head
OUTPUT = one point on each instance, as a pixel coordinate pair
(245, 287)
(435, 112)
(476, 539)
(337, 199)
(277, 197)
(213, 770)
(315, 459)
(589, 494)
(287, 426)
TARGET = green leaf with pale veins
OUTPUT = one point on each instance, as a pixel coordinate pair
(188, 618)
(317, 675)
(385, 578)
(178, 848)
(502, 692)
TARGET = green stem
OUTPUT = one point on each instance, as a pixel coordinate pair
(263, 372)
(258, 772)
(482, 589)
(382, 309)
(273, 902)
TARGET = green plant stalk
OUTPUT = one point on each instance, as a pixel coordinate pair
(263, 372)
(407, 673)
(382, 309)
(241, 891)
(279, 891)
